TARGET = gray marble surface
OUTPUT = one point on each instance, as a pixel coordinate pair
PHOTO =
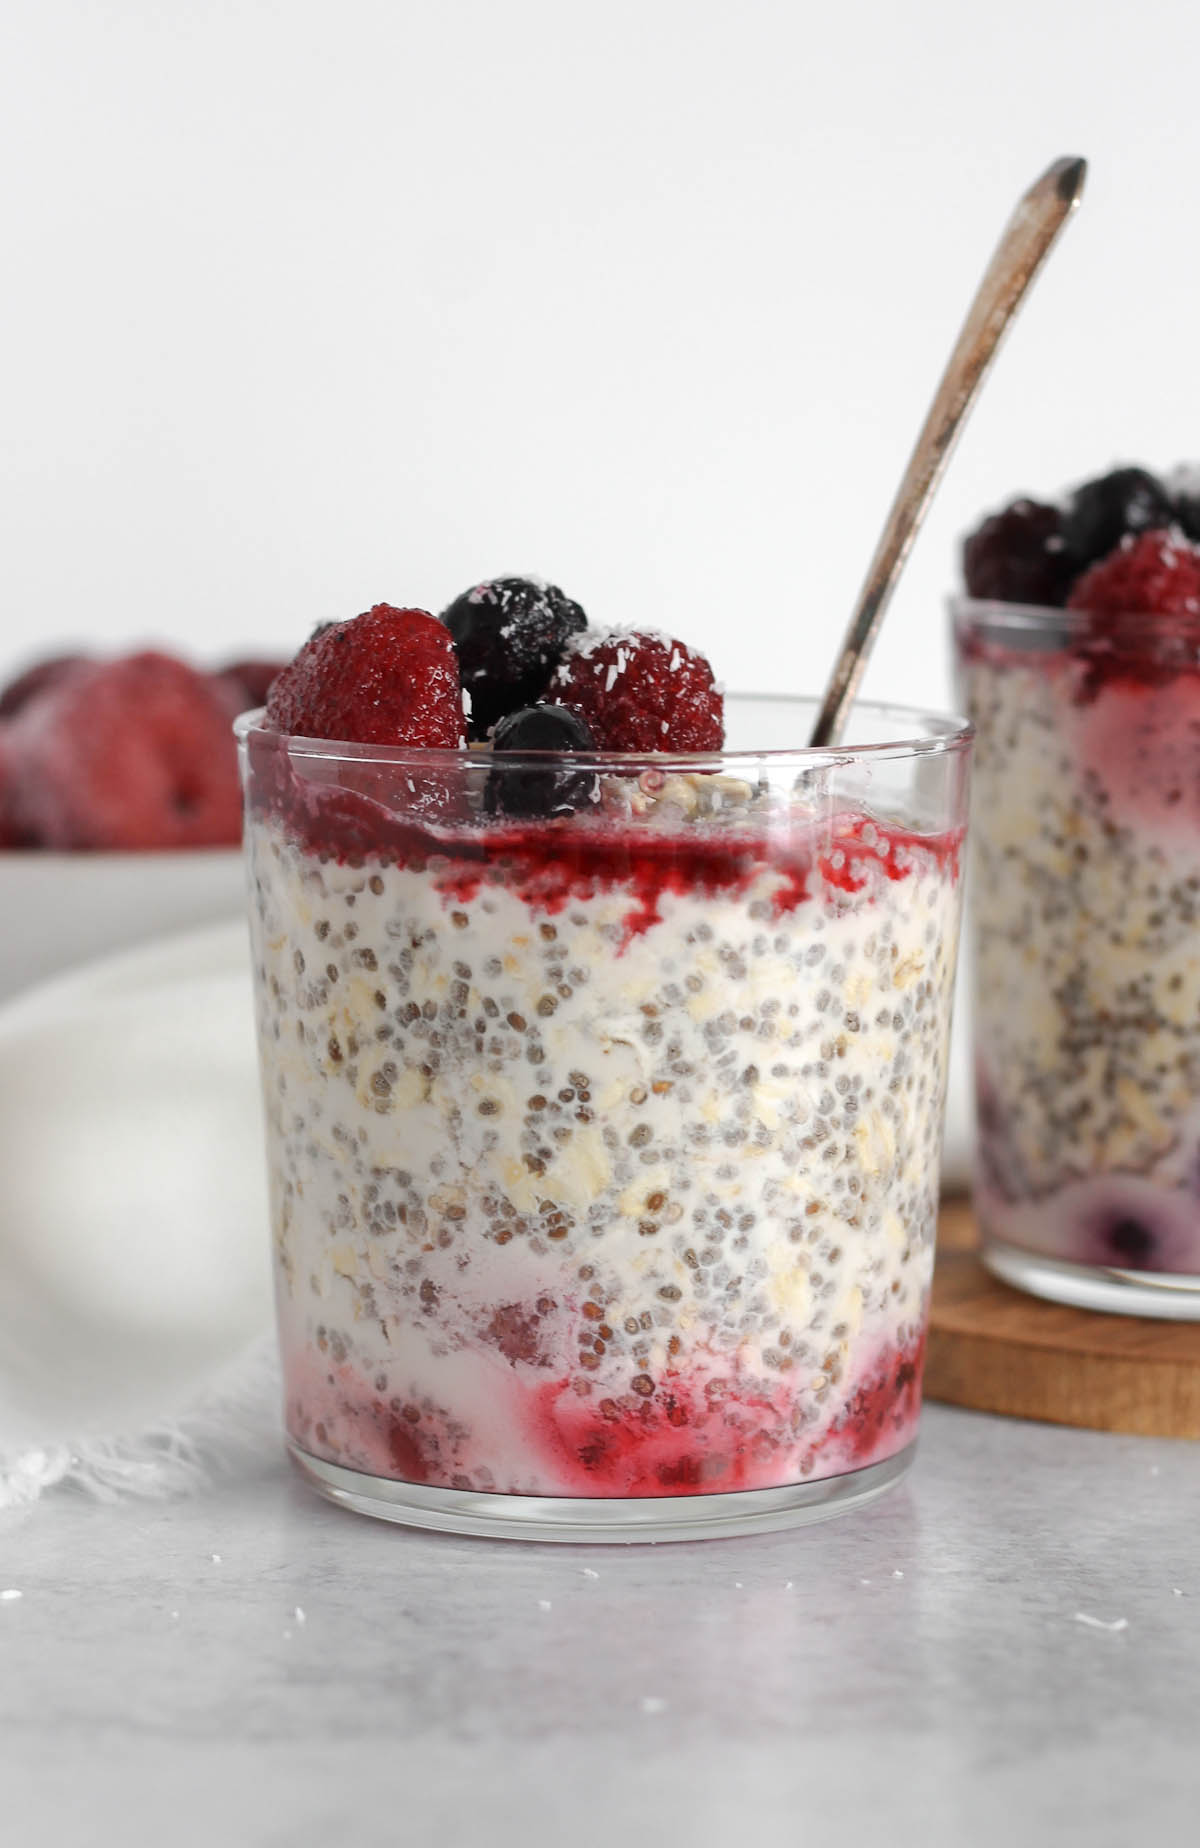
(913, 1673)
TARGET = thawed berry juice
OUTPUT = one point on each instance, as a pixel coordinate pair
(604, 1143)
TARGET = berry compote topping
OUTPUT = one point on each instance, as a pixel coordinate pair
(510, 634)
(387, 677)
(641, 691)
(1154, 574)
(554, 789)
(1019, 556)
(1102, 512)
(1034, 552)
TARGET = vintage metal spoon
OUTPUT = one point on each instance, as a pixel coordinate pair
(1027, 241)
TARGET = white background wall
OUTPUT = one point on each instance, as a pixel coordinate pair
(306, 305)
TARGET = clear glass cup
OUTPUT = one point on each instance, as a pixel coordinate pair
(1085, 902)
(604, 1146)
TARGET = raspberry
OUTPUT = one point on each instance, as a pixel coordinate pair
(127, 754)
(1102, 512)
(387, 677)
(247, 683)
(535, 791)
(1150, 574)
(640, 691)
(510, 634)
(36, 679)
(11, 833)
(1018, 556)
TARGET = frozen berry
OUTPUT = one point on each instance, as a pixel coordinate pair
(249, 682)
(36, 679)
(550, 789)
(1152, 574)
(127, 754)
(510, 635)
(1185, 498)
(1131, 1243)
(1018, 556)
(1104, 511)
(640, 691)
(387, 677)
(12, 834)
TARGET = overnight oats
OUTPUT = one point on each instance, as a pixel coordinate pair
(1079, 662)
(604, 1066)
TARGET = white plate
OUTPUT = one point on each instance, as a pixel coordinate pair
(61, 909)
(134, 1246)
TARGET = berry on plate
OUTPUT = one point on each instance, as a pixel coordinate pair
(536, 790)
(1018, 556)
(640, 691)
(248, 682)
(1150, 574)
(510, 634)
(11, 834)
(127, 754)
(36, 679)
(387, 677)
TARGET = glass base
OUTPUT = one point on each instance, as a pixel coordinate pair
(602, 1521)
(1169, 1295)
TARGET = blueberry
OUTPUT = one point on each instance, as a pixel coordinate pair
(1187, 502)
(1131, 1243)
(1018, 556)
(510, 635)
(542, 790)
(1101, 512)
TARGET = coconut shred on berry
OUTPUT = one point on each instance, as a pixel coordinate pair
(603, 1093)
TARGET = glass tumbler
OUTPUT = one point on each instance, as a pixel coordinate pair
(603, 1111)
(1085, 933)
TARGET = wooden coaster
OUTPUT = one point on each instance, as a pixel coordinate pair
(997, 1350)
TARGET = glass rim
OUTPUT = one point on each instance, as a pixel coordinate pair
(926, 734)
(1029, 619)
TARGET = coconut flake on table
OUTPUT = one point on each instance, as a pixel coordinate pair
(1099, 1623)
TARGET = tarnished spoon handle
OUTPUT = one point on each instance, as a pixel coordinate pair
(1039, 217)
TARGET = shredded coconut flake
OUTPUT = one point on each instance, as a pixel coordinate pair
(1098, 1623)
